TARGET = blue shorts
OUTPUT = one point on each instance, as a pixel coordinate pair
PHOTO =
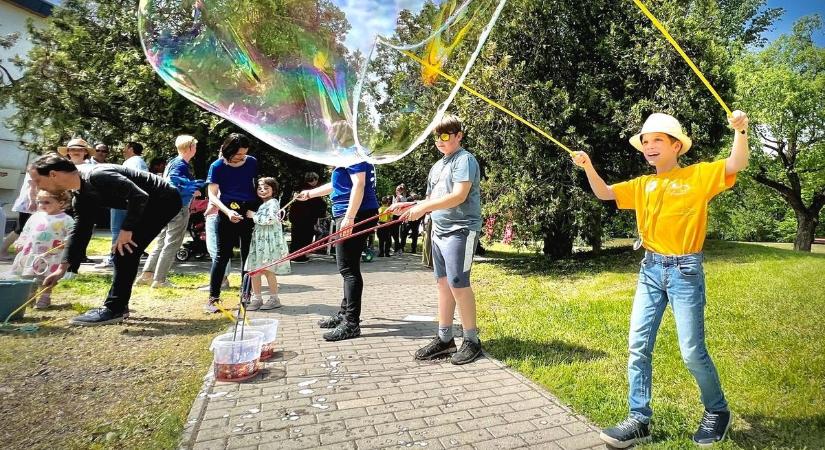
(453, 256)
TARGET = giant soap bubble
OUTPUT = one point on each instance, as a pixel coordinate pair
(287, 70)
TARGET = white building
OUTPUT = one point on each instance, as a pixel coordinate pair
(14, 16)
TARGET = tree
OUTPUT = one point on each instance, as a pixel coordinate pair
(87, 76)
(783, 89)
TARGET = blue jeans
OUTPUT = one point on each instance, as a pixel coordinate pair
(115, 221)
(212, 239)
(679, 280)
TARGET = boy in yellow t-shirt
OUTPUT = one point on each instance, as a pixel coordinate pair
(671, 216)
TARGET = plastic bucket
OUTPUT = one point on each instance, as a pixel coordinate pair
(269, 327)
(236, 359)
(14, 293)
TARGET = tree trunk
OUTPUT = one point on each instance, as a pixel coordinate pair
(805, 228)
(558, 242)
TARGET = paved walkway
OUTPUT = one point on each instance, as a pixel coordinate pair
(369, 392)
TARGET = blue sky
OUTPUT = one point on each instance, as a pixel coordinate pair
(794, 9)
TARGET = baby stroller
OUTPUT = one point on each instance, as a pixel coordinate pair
(197, 231)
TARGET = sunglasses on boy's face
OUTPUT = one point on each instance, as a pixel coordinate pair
(444, 137)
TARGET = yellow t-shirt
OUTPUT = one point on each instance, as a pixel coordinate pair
(384, 218)
(672, 208)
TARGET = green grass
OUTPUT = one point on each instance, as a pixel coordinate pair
(564, 324)
(126, 386)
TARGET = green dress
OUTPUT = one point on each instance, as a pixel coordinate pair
(268, 242)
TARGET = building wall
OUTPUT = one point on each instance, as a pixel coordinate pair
(13, 158)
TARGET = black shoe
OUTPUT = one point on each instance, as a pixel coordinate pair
(331, 321)
(469, 352)
(713, 428)
(435, 349)
(629, 432)
(301, 260)
(97, 316)
(343, 331)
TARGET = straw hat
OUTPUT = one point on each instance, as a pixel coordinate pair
(662, 123)
(76, 143)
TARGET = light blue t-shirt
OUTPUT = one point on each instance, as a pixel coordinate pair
(458, 167)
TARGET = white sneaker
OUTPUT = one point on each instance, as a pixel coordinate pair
(271, 303)
(255, 304)
(105, 264)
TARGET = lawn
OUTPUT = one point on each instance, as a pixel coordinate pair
(564, 324)
(127, 386)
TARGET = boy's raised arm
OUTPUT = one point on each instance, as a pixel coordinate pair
(739, 154)
(597, 184)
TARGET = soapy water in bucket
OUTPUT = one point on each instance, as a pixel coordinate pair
(269, 328)
(236, 357)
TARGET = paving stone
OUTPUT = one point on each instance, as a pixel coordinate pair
(370, 392)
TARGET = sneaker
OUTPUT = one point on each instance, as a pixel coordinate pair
(69, 276)
(211, 306)
(43, 302)
(629, 432)
(713, 428)
(105, 264)
(225, 284)
(163, 284)
(87, 260)
(331, 321)
(97, 316)
(343, 331)
(143, 281)
(255, 304)
(300, 260)
(469, 352)
(271, 303)
(435, 349)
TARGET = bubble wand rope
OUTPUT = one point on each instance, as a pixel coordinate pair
(487, 100)
(329, 241)
(687, 59)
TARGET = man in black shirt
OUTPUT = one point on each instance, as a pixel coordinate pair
(150, 201)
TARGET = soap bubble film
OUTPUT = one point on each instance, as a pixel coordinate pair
(324, 80)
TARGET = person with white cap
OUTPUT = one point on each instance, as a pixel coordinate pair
(671, 216)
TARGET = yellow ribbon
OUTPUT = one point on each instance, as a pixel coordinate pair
(687, 59)
(486, 99)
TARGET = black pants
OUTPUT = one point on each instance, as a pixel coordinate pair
(159, 211)
(302, 233)
(395, 232)
(384, 241)
(229, 236)
(348, 257)
(412, 230)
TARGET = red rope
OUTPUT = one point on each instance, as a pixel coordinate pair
(328, 240)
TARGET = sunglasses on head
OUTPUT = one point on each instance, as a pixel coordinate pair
(444, 137)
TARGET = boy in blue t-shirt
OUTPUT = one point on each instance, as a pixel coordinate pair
(454, 200)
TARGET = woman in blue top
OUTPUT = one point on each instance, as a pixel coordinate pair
(352, 191)
(231, 183)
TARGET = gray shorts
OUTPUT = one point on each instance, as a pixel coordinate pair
(453, 256)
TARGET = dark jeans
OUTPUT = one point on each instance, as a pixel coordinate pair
(411, 229)
(229, 236)
(159, 211)
(384, 241)
(348, 257)
(397, 236)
